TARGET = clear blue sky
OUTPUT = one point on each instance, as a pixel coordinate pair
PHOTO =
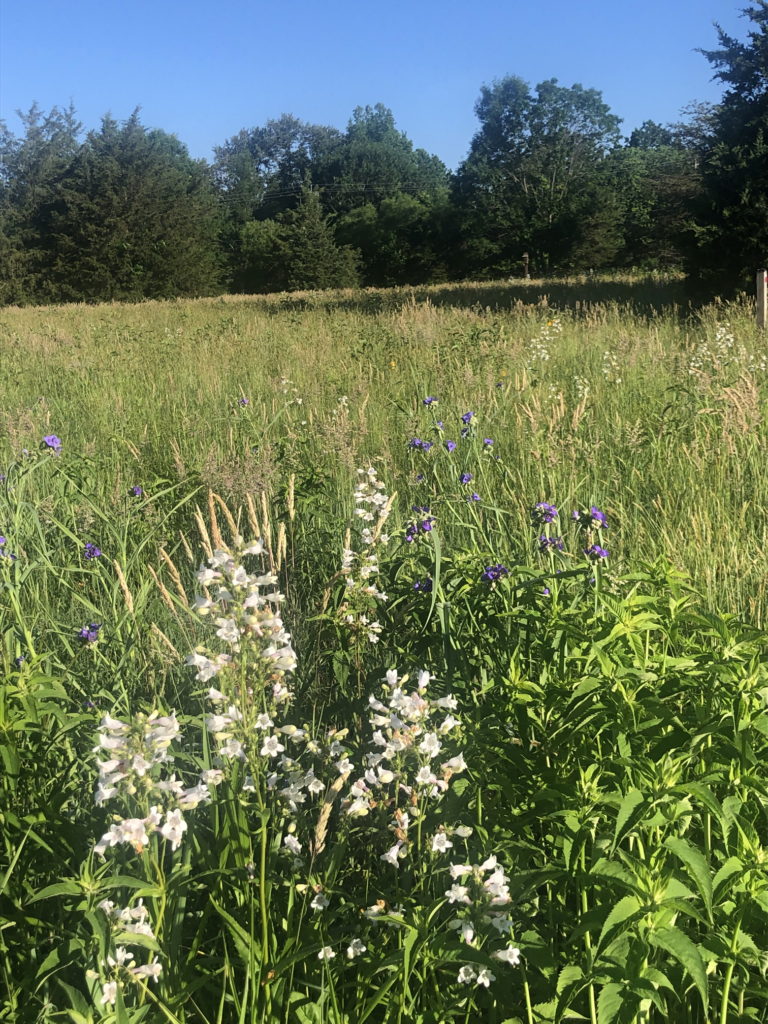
(204, 70)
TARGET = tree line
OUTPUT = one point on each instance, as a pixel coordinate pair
(122, 212)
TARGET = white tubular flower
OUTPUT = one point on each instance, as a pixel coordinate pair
(355, 948)
(430, 745)
(271, 747)
(174, 828)
(510, 955)
(109, 993)
(263, 722)
(465, 929)
(149, 971)
(392, 854)
(455, 764)
(326, 953)
(320, 902)
(466, 975)
(485, 977)
(292, 844)
(441, 843)
(458, 894)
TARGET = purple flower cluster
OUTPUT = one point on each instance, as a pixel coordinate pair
(594, 552)
(590, 519)
(543, 513)
(421, 525)
(429, 400)
(91, 551)
(424, 586)
(465, 478)
(494, 572)
(419, 445)
(51, 443)
(550, 543)
(90, 634)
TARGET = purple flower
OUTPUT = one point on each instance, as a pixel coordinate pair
(137, 491)
(594, 552)
(419, 477)
(243, 401)
(90, 634)
(450, 445)
(473, 497)
(424, 586)
(592, 519)
(2, 541)
(465, 478)
(417, 444)
(545, 591)
(430, 400)
(550, 543)
(494, 572)
(439, 424)
(52, 443)
(488, 441)
(467, 417)
(542, 512)
(91, 551)
(465, 431)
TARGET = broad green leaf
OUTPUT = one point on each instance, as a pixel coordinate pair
(679, 946)
(697, 867)
(610, 1002)
(618, 920)
(630, 812)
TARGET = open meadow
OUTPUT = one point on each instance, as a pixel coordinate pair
(392, 655)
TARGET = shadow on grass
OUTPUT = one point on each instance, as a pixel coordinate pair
(643, 296)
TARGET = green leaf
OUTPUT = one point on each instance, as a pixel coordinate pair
(610, 1002)
(679, 946)
(697, 867)
(618, 920)
(630, 812)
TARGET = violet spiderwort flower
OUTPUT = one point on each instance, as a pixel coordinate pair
(137, 491)
(467, 417)
(419, 477)
(473, 497)
(591, 519)
(90, 634)
(494, 572)
(594, 552)
(465, 431)
(430, 400)
(487, 441)
(466, 477)
(243, 401)
(52, 443)
(439, 424)
(543, 512)
(91, 551)
(550, 543)
(450, 445)
(425, 585)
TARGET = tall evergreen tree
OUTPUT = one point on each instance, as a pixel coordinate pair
(133, 217)
(731, 229)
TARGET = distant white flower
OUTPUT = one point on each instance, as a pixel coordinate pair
(426, 777)
(458, 894)
(391, 856)
(466, 975)
(430, 745)
(149, 971)
(510, 955)
(355, 948)
(463, 831)
(109, 993)
(440, 842)
(326, 953)
(272, 747)
(292, 843)
(320, 902)
(264, 722)
(485, 977)
(174, 828)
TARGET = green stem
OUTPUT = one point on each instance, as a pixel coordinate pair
(729, 971)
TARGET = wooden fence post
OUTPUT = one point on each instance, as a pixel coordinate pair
(761, 283)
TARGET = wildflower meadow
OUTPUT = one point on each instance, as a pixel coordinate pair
(385, 656)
